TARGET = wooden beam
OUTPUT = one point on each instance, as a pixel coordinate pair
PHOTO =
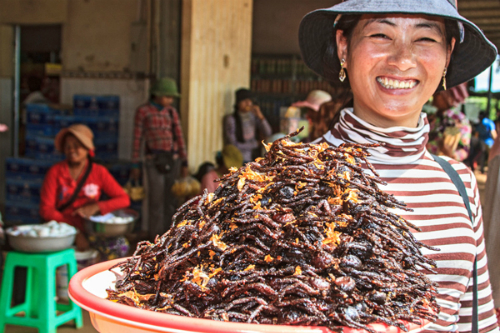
(493, 35)
(477, 4)
(489, 27)
(487, 21)
(473, 14)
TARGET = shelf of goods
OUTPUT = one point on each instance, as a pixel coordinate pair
(278, 81)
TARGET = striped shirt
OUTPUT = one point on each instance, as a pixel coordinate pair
(156, 127)
(438, 210)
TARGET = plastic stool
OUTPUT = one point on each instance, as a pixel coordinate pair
(40, 307)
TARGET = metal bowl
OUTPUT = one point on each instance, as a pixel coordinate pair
(112, 229)
(39, 244)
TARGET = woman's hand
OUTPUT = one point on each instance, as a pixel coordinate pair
(81, 242)
(184, 171)
(87, 210)
(256, 111)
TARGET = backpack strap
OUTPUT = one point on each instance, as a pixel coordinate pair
(459, 184)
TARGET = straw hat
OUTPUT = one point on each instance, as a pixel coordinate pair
(80, 131)
(472, 55)
(314, 100)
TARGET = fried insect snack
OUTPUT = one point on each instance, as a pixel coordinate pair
(302, 236)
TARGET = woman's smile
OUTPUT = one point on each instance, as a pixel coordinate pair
(388, 83)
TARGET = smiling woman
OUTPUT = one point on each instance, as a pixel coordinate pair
(395, 54)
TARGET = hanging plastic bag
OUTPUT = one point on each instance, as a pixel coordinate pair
(134, 190)
(186, 187)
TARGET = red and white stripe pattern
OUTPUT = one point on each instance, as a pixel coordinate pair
(413, 177)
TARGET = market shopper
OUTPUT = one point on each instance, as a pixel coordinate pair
(317, 121)
(486, 134)
(72, 188)
(246, 126)
(157, 124)
(450, 130)
(229, 157)
(394, 54)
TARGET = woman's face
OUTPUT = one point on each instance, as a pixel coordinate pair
(74, 150)
(394, 64)
(245, 105)
(164, 100)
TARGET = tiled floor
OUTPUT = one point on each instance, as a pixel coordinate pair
(66, 328)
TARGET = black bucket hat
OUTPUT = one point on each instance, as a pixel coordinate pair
(472, 55)
(242, 94)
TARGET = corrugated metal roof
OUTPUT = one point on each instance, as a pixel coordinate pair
(485, 14)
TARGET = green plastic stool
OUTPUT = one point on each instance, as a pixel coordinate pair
(40, 307)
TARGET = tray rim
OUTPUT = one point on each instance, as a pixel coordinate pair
(157, 321)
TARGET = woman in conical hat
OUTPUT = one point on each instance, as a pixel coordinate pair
(394, 55)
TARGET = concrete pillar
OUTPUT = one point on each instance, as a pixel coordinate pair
(215, 61)
(6, 99)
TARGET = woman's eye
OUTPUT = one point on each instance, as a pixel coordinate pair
(427, 39)
(380, 36)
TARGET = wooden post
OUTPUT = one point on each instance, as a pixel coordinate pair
(215, 62)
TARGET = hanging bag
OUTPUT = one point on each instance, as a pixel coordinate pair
(165, 160)
(134, 190)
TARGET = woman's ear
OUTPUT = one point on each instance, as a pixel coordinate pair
(449, 51)
(341, 45)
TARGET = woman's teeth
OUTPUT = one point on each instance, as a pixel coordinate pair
(396, 84)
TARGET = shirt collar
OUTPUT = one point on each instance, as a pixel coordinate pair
(399, 145)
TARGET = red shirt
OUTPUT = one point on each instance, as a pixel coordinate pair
(157, 128)
(58, 187)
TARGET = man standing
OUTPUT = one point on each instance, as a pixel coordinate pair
(157, 122)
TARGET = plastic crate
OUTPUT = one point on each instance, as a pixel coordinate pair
(85, 102)
(101, 126)
(44, 149)
(40, 114)
(108, 102)
(27, 191)
(26, 168)
(96, 105)
(120, 170)
(40, 129)
(21, 213)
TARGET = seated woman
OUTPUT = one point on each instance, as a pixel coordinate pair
(246, 126)
(72, 188)
(229, 157)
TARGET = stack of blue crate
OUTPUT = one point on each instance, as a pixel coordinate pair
(41, 128)
(24, 178)
(102, 114)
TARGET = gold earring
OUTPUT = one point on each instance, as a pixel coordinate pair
(342, 74)
(444, 79)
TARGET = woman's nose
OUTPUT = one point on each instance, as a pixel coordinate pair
(402, 57)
